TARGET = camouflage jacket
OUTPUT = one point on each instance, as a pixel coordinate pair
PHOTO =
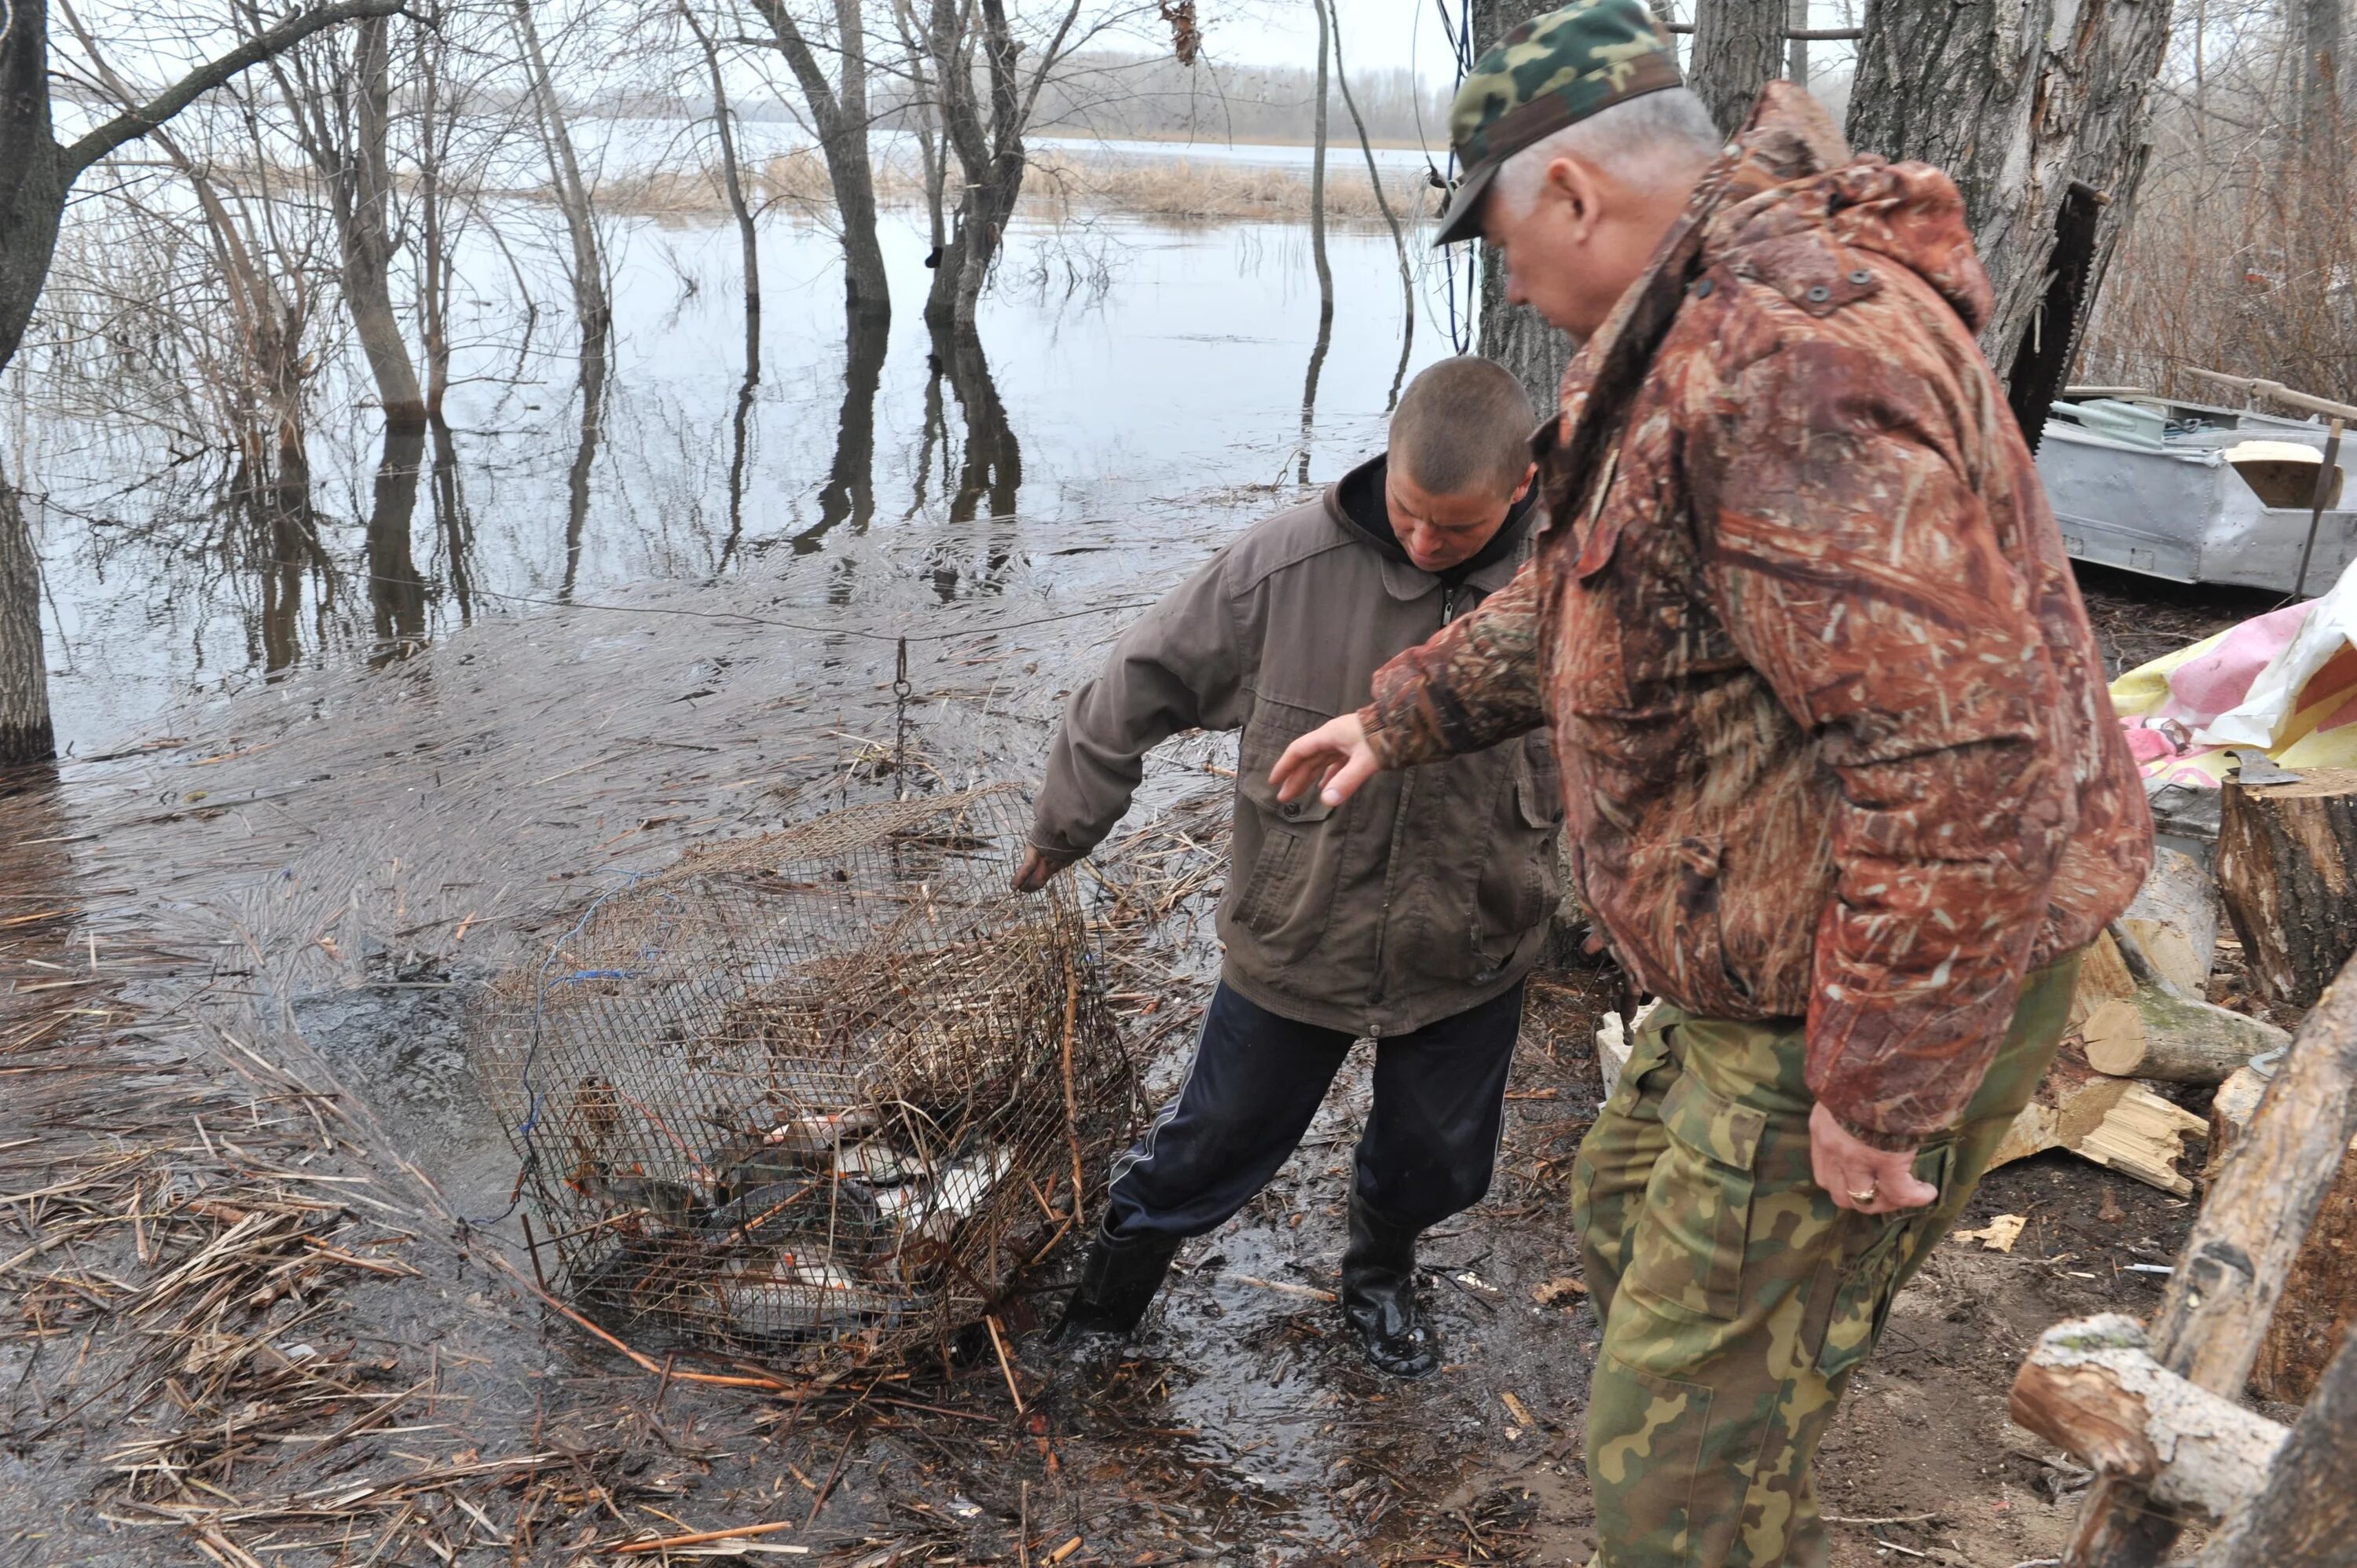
(1835, 735)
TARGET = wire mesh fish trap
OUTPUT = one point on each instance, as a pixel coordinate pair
(830, 1091)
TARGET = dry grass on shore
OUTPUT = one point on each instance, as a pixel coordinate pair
(1060, 185)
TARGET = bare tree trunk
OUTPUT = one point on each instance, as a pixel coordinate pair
(1318, 200)
(434, 266)
(588, 269)
(1738, 48)
(989, 144)
(730, 180)
(1515, 335)
(2016, 100)
(26, 735)
(2316, 79)
(838, 112)
(1796, 51)
(1382, 205)
(35, 174)
(2307, 1511)
(933, 149)
(362, 182)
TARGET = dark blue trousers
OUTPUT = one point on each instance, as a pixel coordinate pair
(1257, 1079)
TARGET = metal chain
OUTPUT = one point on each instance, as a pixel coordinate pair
(901, 691)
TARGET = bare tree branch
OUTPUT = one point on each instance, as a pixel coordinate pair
(134, 124)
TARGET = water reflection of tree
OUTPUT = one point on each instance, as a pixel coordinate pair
(396, 590)
(849, 493)
(453, 523)
(591, 388)
(991, 471)
(281, 533)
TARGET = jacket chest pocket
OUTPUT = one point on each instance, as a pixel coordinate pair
(1287, 852)
(1691, 1251)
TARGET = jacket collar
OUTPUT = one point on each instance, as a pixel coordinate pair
(1403, 578)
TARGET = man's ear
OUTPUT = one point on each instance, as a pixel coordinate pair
(1529, 474)
(1575, 184)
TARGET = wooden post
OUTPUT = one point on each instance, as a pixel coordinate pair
(2091, 1389)
(2319, 1306)
(2215, 1311)
(2285, 854)
(2307, 1511)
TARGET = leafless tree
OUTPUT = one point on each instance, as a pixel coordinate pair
(839, 117)
(337, 95)
(36, 174)
(588, 266)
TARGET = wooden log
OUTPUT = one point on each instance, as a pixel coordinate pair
(2287, 865)
(2175, 918)
(2091, 1389)
(2319, 1307)
(2214, 1314)
(2116, 1122)
(2307, 1513)
(2176, 1039)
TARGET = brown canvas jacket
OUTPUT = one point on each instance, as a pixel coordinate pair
(1835, 737)
(1428, 892)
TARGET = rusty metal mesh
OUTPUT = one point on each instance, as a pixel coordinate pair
(830, 1091)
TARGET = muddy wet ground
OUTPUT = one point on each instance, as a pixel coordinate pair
(244, 1325)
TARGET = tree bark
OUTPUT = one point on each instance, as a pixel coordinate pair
(2307, 1511)
(838, 113)
(588, 269)
(2091, 1389)
(1738, 48)
(365, 208)
(1390, 220)
(2213, 1316)
(2287, 865)
(731, 182)
(1317, 259)
(2015, 99)
(26, 734)
(433, 261)
(1515, 335)
(2176, 1039)
(2174, 918)
(35, 174)
(2319, 1307)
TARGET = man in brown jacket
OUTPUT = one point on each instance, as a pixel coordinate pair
(1409, 917)
(1845, 786)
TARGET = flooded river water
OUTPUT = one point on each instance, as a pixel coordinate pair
(1135, 378)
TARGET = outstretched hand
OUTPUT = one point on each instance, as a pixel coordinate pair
(1038, 865)
(1334, 757)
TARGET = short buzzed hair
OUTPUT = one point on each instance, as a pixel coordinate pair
(1462, 427)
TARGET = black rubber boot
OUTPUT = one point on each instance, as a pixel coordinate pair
(1118, 1279)
(1379, 1294)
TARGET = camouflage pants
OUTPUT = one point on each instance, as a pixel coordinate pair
(1736, 1298)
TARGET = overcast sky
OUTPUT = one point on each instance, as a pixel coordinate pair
(1377, 34)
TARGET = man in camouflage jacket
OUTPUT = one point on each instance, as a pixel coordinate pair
(1843, 781)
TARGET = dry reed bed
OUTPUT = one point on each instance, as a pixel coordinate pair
(1060, 185)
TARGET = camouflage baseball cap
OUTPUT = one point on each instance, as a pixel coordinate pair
(1552, 71)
